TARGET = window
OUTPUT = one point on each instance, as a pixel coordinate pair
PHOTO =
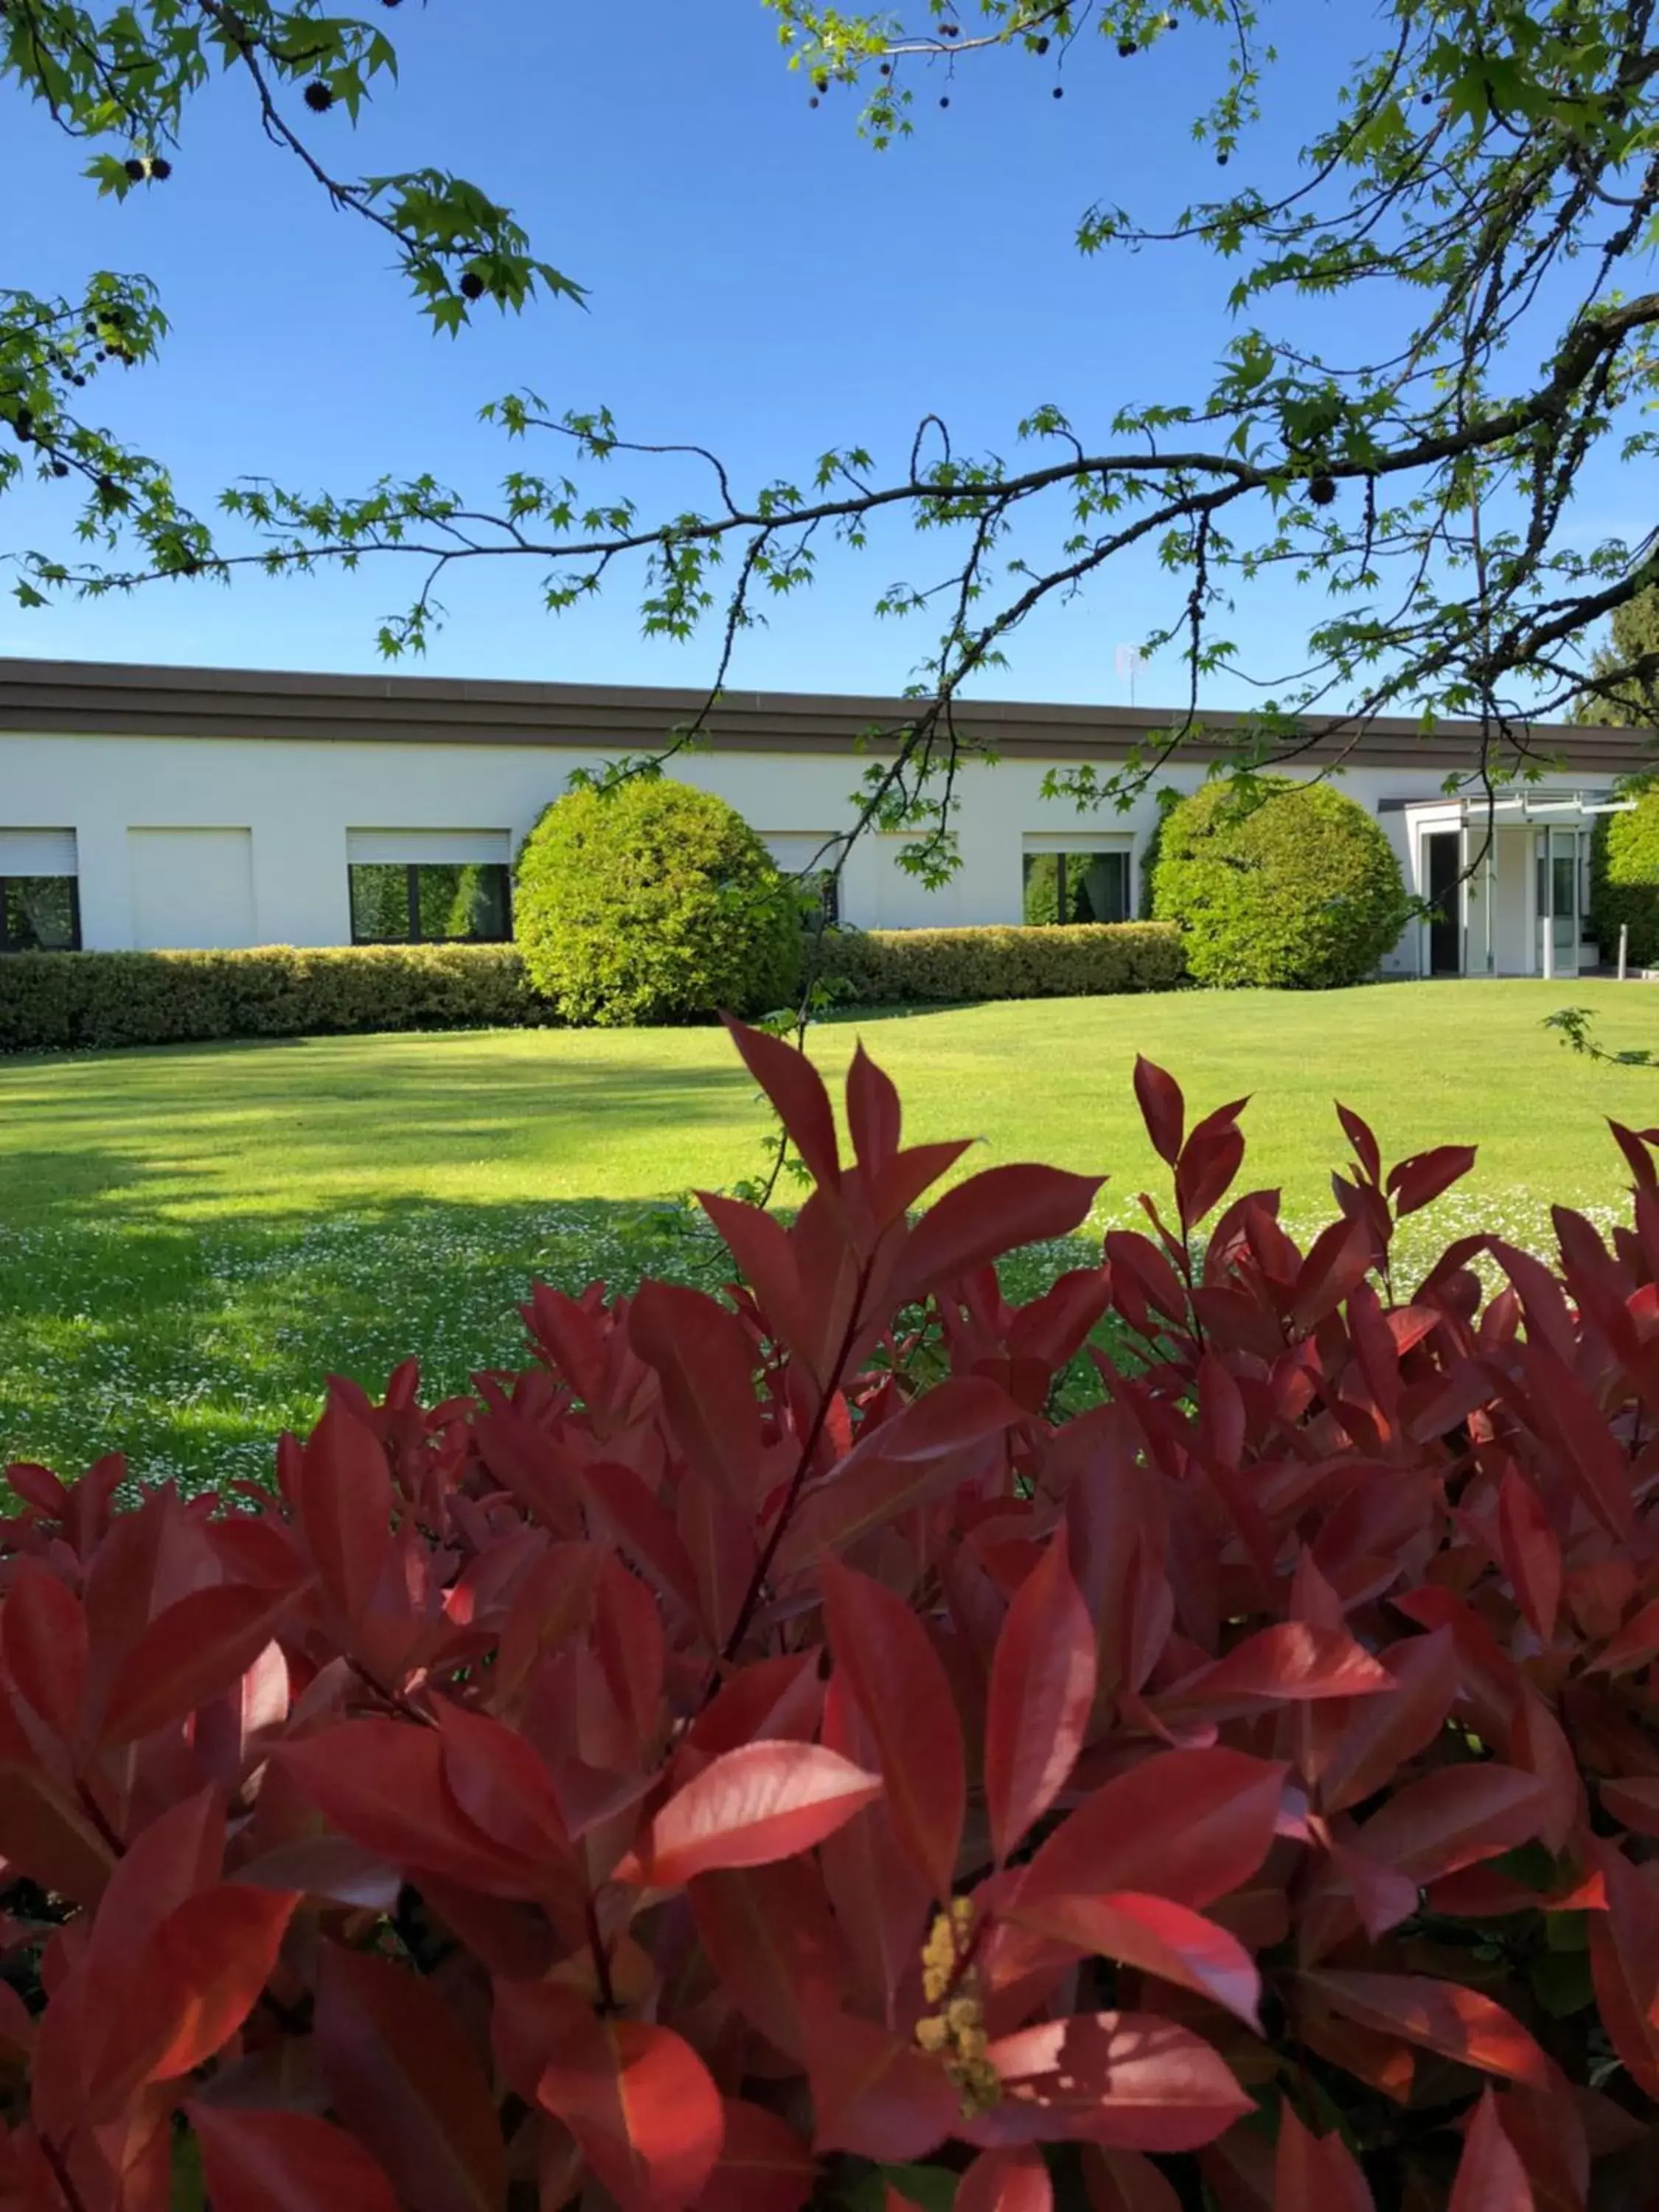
(1064, 887)
(429, 887)
(797, 851)
(39, 891)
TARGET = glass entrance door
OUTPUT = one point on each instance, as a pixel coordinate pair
(1556, 890)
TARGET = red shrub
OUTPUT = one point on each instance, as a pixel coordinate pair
(757, 1741)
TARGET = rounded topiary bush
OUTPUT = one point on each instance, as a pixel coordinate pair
(654, 902)
(1624, 877)
(1280, 885)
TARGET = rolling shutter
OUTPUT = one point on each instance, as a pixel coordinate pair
(37, 853)
(437, 847)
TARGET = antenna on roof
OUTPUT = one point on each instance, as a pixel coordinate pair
(1129, 659)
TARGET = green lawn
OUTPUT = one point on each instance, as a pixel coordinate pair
(191, 1238)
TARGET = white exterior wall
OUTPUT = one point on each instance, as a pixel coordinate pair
(296, 799)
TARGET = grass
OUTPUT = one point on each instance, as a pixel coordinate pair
(192, 1238)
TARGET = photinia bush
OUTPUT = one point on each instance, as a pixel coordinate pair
(756, 1753)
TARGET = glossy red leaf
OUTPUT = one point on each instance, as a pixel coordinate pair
(773, 1943)
(200, 1975)
(990, 1215)
(284, 2161)
(640, 2103)
(344, 1504)
(1454, 1818)
(1624, 1950)
(404, 2077)
(873, 2093)
(1161, 1108)
(1129, 2081)
(1041, 1691)
(705, 1363)
(1421, 1179)
(1366, 1149)
(1315, 2174)
(382, 1783)
(1445, 2016)
(1356, 1746)
(796, 1089)
(1186, 1825)
(194, 1651)
(874, 1118)
(764, 2166)
(1292, 1660)
(883, 1652)
(1156, 1936)
(1489, 2175)
(928, 1448)
(1015, 2180)
(747, 1808)
(43, 1640)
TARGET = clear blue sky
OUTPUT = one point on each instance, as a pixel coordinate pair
(759, 280)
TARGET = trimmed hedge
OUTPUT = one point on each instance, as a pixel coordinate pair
(1278, 885)
(654, 902)
(886, 967)
(1624, 877)
(56, 1001)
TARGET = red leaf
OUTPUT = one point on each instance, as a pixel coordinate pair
(1341, 1258)
(405, 2078)
(1042, 1690)
(1624, 1948)
(1292, 1660)
(199, 1977)
(1489, 2175)
(796, 1089)
(873, 2093)
(984, 1218)
(935, 1443)
(764, 2166)
(1014, 2181)
(1210, 1160)
(194, 1651)
(1125, 2181)
(771, 1938)
(1315, 2174)
(1187, 1825)
(342, 1503)
(1366, 1150)
(1454, 1818)
(874, 1118)
(1129, 2081)
(1358, 1745)
(43, 1639)
(1161, 1108)
(639, 2102)
(1443, 2016)
(284, 2162)
(749, 1807)
(883, 1652)
(706, 1365)
(1421, 1179)
(1159, 1937)
(381, 1782)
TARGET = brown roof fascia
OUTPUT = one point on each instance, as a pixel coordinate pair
(110, 699)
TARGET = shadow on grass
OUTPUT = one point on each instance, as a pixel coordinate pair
(189, 1348)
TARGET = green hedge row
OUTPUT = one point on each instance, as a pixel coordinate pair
(54, 1001)
(1624, 877)
(60, 1002)
(886, 967)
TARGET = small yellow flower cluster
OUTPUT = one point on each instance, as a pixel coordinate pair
(956, 2032)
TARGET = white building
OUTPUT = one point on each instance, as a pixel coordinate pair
(164, 807)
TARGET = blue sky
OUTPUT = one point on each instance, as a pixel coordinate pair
(759, 280)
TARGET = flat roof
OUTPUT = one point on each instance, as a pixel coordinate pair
(117, 699)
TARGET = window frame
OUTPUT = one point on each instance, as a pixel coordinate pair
(1080, 848)
(7, 950)
(412, 902)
